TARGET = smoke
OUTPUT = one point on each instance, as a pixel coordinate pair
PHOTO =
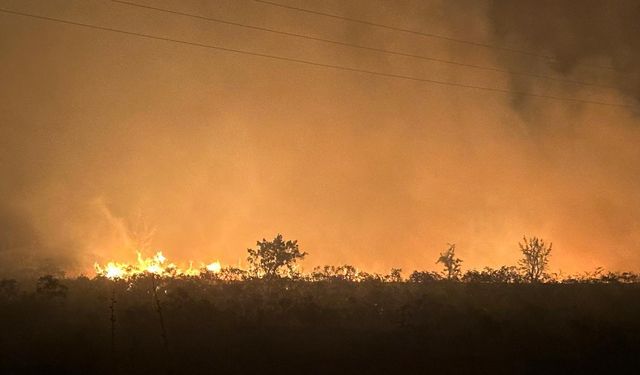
(217, 150)
(595, 40)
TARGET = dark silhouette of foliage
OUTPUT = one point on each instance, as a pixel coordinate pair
(620, 277)
(367, 277)
(232, 274)
(535, 258)
(424, 277)
(347, 326)
(350, 321)
(504, 274)
(395, 276)
(162, 325)
(49, 286)
(271, 257)
(113, 320)
(333, 273)
(592, 277)
(451, 264)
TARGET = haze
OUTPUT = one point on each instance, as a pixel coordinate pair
(100, 131)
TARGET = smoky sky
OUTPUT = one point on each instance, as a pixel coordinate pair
(216, 150)
(593, 38)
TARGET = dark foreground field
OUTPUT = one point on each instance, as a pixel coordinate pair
(321, 327)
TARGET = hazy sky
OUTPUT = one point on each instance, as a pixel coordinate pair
(217, 150)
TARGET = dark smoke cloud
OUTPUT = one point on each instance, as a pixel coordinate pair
(592, 39)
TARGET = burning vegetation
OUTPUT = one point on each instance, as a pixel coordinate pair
(153, 316)
(278, 259)
(155, 265)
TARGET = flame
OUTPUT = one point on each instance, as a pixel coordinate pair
(156, 265)
(190, 271)
(214, 267)
(114, 270)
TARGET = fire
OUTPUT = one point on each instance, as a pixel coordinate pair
(156, 265)
(190, 271)
(114, 270)
(214, 267)
(152, 265)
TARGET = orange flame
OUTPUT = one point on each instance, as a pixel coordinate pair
(156, 265)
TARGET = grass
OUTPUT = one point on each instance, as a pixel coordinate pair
(322, 327)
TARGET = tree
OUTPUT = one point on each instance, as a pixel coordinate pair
(270, 257)
(535, 257)
(504, 274)
(395, 276)
(342, 273)
(231, 274)
(48, 286)
(424, 277)
(450, 262)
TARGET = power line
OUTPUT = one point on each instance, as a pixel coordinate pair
(421, 33)
(374, 49)
(312, 63)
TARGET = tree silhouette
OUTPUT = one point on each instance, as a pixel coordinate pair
(424, 277)
(229, 274)
(342, 273)
(271, 257)
(450, 262)
(395, 276)
(535, 257)
(49, 286)
(504, 274)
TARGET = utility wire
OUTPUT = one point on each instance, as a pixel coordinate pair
(421, 33)
(358, 46)
(312, 63)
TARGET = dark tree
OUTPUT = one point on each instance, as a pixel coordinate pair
(535, 258)
(504, 274)
(271, 257)
(342, 273)
(49, 286)
(395, 276)
(475, 276)
(424, 277)
(231, 274)
(451, 263)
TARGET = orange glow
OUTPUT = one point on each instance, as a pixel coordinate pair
(218, 150)
(156, 265)
(214, 267)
